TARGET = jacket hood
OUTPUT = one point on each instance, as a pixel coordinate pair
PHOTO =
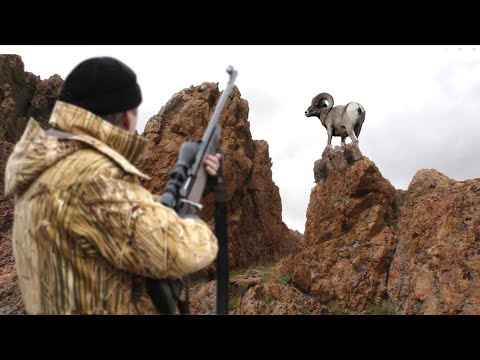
(36, 151)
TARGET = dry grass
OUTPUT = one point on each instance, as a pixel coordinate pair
(384, 308)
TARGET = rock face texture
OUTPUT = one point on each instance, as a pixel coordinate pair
(23, 95)
(274, 299)
(255, 227)
(436, 265)
(10, 297)
(350, 233)
(249, 296)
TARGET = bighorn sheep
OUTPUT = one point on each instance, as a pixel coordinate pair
(341, 120)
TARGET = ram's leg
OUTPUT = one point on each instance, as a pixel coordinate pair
(343, 140)
(351, 134)
(329, 142)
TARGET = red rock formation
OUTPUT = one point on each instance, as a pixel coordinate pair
(43, 100)
(255, 227)
(349, 234)
(302, 278)
(22, 95)
(437, 261)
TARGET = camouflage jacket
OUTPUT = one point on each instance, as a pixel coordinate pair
(86, 233)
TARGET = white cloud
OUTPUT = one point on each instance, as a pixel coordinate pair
(422, 102)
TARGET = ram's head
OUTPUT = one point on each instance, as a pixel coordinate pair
(319, 102)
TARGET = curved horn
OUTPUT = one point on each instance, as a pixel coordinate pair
(317, 100)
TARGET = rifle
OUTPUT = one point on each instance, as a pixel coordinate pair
(183, 193)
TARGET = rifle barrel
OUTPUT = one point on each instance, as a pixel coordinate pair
(221, 103)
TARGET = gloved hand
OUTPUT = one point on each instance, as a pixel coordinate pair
(214, 168)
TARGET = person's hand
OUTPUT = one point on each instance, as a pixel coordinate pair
(212, 164)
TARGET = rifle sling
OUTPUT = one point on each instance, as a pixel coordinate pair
(222, 256)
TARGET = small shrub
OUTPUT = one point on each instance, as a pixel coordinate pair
(286, 280)
(384, 308)
(335, 308)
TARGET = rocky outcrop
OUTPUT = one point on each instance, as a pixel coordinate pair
(335, 161)
(23, 95)
(249, 295)
(437, 261)
(10, 297)
(371, 249)
(203, 295)
(274, 299)
(255, 227)
(44, 98)
(350, 233)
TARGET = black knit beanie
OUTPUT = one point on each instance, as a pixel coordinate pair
(102, 85)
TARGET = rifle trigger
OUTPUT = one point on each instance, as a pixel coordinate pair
(197, 206)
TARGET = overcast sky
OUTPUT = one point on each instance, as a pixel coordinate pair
(422, 102)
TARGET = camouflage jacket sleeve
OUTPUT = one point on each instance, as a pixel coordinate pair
(123, 222)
